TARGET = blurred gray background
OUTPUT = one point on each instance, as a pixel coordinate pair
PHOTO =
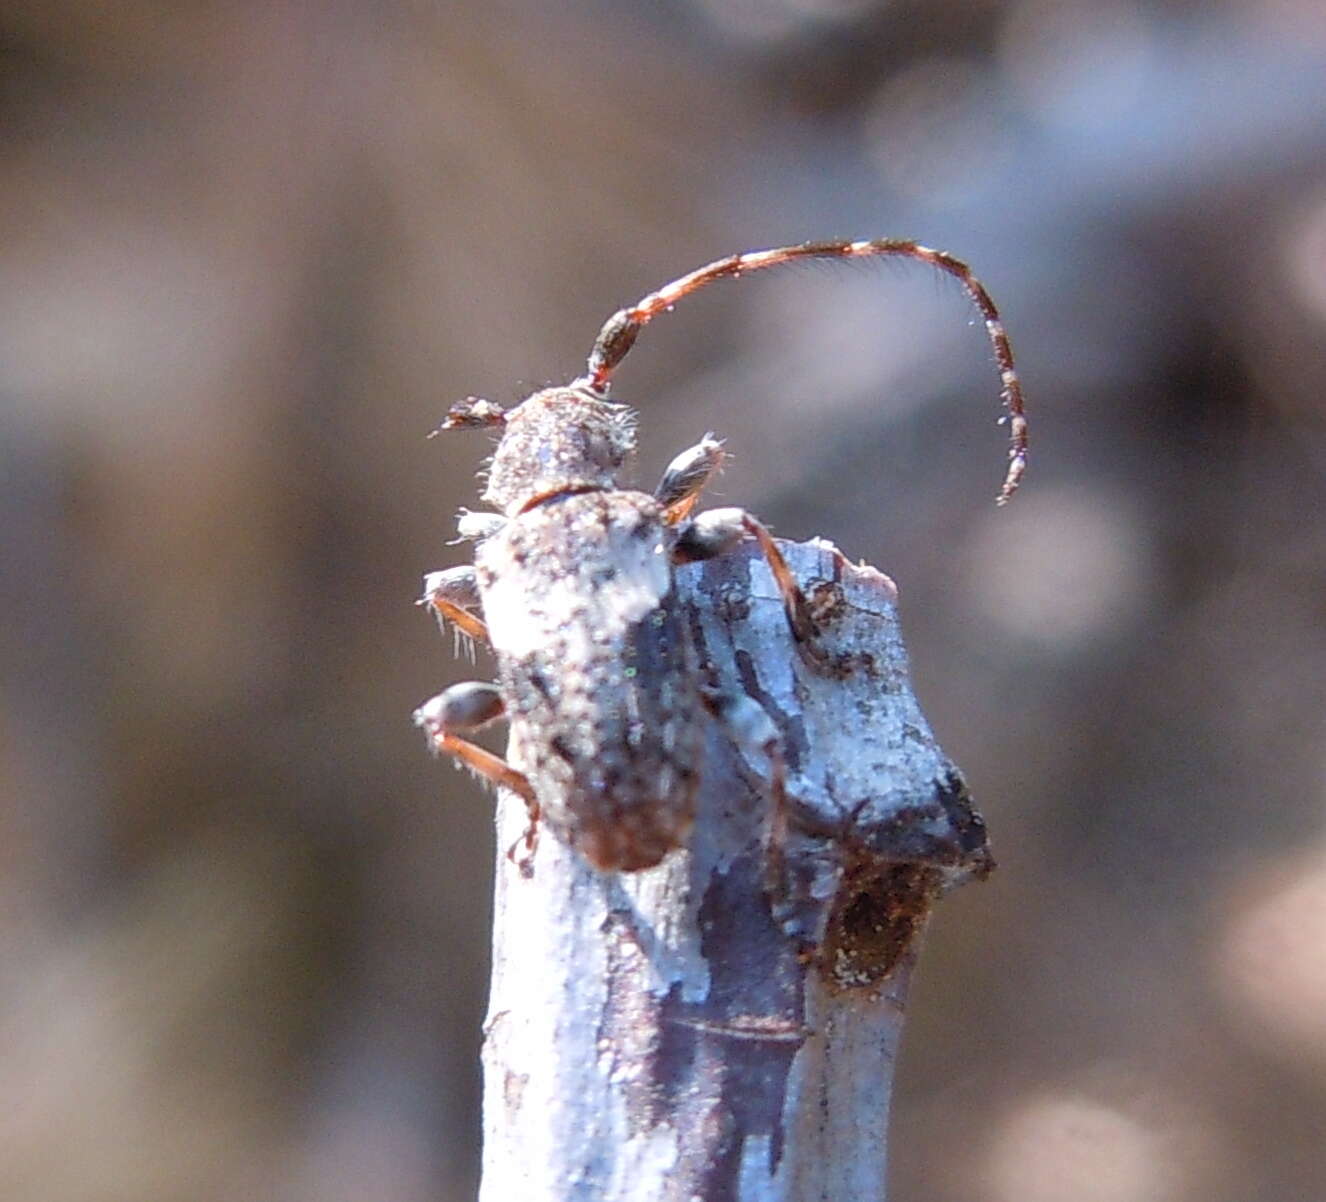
(249, 253)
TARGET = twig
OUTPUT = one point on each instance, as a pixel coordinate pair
(673, 1034)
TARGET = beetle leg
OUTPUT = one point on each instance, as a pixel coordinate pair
(685, 478)
(468, 707)
(473, 413)
(794, 600)
(708, 535)
(475, 526)
(715, 531)
(453, 594)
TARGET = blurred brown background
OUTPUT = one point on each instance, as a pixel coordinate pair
(250, 253)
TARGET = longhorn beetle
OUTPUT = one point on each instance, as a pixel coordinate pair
(572, 587)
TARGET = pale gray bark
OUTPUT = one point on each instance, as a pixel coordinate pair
(672, 1034)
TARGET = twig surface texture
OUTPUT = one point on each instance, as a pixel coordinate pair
(723, 1027)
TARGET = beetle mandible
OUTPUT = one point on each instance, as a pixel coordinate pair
(572, 588)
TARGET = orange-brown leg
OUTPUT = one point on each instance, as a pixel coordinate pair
(685, 478)
(453, 594)
(794, 600)
(467, 707)
(718, 530)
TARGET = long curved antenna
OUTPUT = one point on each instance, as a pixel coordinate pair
(621, 329)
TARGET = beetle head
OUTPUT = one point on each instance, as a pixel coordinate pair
(559, 440)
